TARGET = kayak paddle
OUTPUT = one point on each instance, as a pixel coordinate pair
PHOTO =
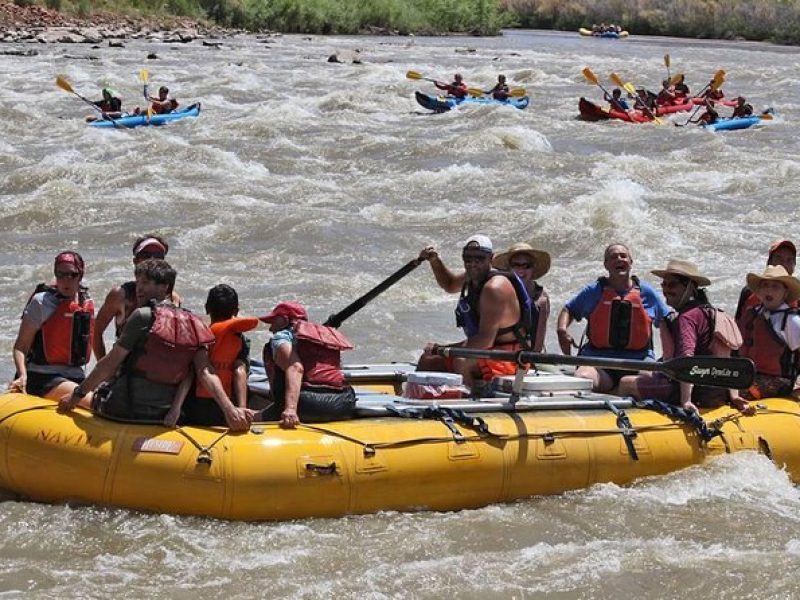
(666, 64)
(631, 89)
(713, 371)
(512, 93)
(337, 319)
(144, 77)
(714, 84)
(415, 75)
(592, 78)
(64, 85)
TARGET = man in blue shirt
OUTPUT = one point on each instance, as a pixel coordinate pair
(621, 311)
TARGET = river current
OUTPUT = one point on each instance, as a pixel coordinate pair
(313, 181)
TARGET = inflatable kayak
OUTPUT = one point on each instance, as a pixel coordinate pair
(397, 454)
(732, 124)
(589, 111)
(441, 104)
(130, 121)
(611, 35)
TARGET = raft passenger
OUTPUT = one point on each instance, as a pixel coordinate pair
(457, 89)
(157, 350)
(493, 312)
(110, 105)
(742, 108)
(771, 333)
(621, 313)
(709, 117)
(54, 339)
(303, 362)
(781, 252)
(529, 265)
(692, 332)
(681, 89)
(666, 96)
(500, 90)
(616, 101)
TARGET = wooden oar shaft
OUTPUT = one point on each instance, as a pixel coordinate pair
(337, 319)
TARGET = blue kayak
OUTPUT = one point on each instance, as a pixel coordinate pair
(442, 104)
(130, 121)
(731, 124)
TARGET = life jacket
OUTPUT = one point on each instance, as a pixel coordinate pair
(620, 321)
(319, 348)
(746, 110)
(65, 338)
(457, 90)
(226, 350)
(724, 337)
(174, 338)
(160, 109)
(765, 347)
(468, 310)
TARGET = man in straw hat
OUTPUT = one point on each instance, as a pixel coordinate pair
(771, 333)
(492, 311)
(621, 311)
(530, 264)
(781, 252)
(695, 331)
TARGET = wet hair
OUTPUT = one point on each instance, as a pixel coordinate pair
(164, 89)
(147, 236)
(607, 251)
(158, 271)
(222, 302)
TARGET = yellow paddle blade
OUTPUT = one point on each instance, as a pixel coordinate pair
(64, 84)
(475, 92)
(666, 60)
(629, 88)
(517, 92)
(144, 75)
(766, 117)
(616, 80)
(590, 76)
(414, 75)
(676, 79)
(717, 83)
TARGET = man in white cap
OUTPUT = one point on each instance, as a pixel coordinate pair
(781, 252)
(490, 311)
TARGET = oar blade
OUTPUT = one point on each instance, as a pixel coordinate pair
(475, 92)
(616, 80)
(517, 92)
(666, 60)
(676, 79)
(144, 75)
(64, 84)
(712, 371)
(590, 76)
(414, 75)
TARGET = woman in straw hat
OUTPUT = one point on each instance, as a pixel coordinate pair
(690, 333)
(771, 333)
(530, 264)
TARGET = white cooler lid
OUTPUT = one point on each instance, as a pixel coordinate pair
(434, 378)
(546, 382)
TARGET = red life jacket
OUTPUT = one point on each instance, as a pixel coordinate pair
(765, 347)
(65, 337)
(319, 348)
(226, 350)
(174, 338)
(620, 321)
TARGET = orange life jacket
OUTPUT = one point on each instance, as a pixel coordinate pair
(174, 338)
(765, 347)
(620, 321)
(65, 337)
(225, 351)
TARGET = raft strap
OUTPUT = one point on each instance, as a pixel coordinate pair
(625, 427)
(705, 432)
(448, 416)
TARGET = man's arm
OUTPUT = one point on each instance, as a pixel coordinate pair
(287, 359)
(112, 306)
(103, 371)
(565, 340)
(448, 280)
(238, 419)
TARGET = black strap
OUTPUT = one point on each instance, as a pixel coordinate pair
(626, 428)
(705, 432)
(449, 416)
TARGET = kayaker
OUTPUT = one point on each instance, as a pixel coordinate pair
(681, 89)
(110, 105)
(120, 302)
(457, 89)
(303, 361)
(771, 333)
(742, 108)
(163, 104)
(694, 331)
(781, 252)
(54, 339)
(616, 101)
(645, 100)
(712, 93)
(709, 117)
(621, 313)
(529, 265)
(230, 359)
(666, 96)
(159, 349)
(500, 90)
(492, 311)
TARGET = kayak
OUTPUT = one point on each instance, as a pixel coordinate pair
(723, 102)
(732, 124)
(611, 35)
(398, 454)
(441, 104)
(130, 121)
(589, 111)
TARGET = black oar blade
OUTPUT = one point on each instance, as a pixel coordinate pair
(713, 371)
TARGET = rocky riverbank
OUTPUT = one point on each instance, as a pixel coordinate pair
(37, 24)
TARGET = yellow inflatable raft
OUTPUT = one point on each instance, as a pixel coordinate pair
(446, 460)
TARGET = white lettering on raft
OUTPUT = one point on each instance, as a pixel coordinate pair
(157, 446)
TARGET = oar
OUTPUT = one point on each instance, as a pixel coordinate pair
(592, 78)
(415, 75)
(736, 373)
(337, 319)
(714, 84)
(666, 64)
(64, 85)
(144, 77)
(512, 93)
(631, 89)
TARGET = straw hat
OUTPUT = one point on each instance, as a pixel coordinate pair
(540, 258)
(683, 268)
(776, 273)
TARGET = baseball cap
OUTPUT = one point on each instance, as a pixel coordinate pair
(480, 242)
(781, 243)
(291, 310)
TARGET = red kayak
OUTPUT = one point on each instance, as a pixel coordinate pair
(723, 102)
(589, 111)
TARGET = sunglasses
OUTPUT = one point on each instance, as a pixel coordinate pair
(67, 274)
(467, 258)
(521, 265)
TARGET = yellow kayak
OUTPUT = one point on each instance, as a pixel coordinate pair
(456, 454)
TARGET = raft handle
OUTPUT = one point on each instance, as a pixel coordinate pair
(204, 457)
(329, 469)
